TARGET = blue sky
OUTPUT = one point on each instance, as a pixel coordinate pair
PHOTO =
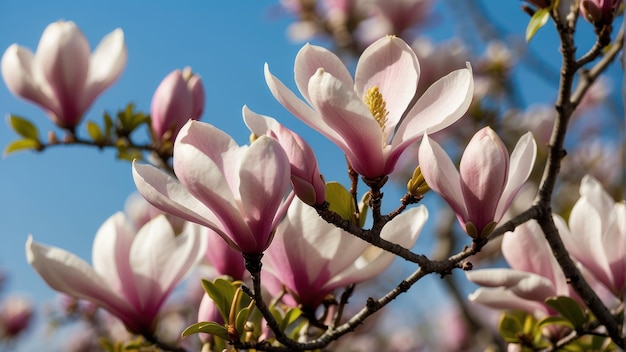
(62, 195)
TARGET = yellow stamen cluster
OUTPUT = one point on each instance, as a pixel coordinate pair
(375, 102)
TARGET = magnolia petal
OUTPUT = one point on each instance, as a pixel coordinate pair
(483, 170)
(264, 178)
(441, 175)
(300, 109)
(440, 106)
(67, 273)
(586, 242)
(312, 57)
(403, 230)
(161, 259)
(257, 123)
(526, 249)
(20, 77)
(207, 163)
(110, 257)
(592, 190)
(63, 56)
(105, 66)
(521, 162)
(523, 284)
(343, 111)
(166, 193)
(391, 65)
(502, 299)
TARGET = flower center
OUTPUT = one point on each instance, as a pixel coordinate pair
(375, 102)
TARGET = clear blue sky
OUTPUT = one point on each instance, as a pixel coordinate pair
(63, 195)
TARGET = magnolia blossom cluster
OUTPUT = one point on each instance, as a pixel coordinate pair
(225, 203)
(595, 236)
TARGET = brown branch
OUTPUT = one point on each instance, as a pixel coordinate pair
(565, 107)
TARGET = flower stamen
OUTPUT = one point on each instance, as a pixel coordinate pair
(376, 104)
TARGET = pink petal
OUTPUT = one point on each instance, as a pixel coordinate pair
(391, 65)
(441, 176)
(169, 195)
(441, 105)
(161, 259)
(521, 164)
(523, 284)
(264, 180)
(206, 161)
(483, 170)
(63, 56)
(65, 272)
(403, 230)
(343, 111)
(22, 79)
(300, 109)
(105, 66)
(111, 257)
(526, 249)
(501, 299)
(309, 59)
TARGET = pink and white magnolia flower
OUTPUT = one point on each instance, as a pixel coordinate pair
(312, 258)
(596, 235)
(372, 118)
(133, 272)
(237, 191)
(178, 98)
(488, 180)
(534, 274)
(306, 179)
(63, 77)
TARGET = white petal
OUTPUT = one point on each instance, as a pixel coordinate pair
(441, 105)
(521, 163)
(523, 284)
(441, 175)
(501, 299)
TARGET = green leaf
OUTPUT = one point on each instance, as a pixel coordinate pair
(23, 127)
(130, 154)
(340, 200)
(242, 318)
(22, 144)
(539, 19)
(569, 309)
(292, 315)
(221, 292)
(554, 320)
(511, 325)
(130, 120)
(208, 327)
(94, 132)
(108, 125)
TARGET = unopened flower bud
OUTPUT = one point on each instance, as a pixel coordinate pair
(179, 97)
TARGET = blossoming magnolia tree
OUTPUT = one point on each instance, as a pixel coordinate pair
(278, 252)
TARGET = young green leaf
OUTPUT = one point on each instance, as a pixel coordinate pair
(539, 19)
(23, 127)
(569, 309)
(340, 200)
(209, 327)
(22, 144)
(94, 132)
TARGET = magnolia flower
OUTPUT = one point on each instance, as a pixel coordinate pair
(488, 180)
(236, 191)
(178, 98)
(371, 118)
(312, 258)
(62, 77)
(15, 316)
(133, 272)
(599, 12)
(306, 180)
(534, 274)
(596, 235)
